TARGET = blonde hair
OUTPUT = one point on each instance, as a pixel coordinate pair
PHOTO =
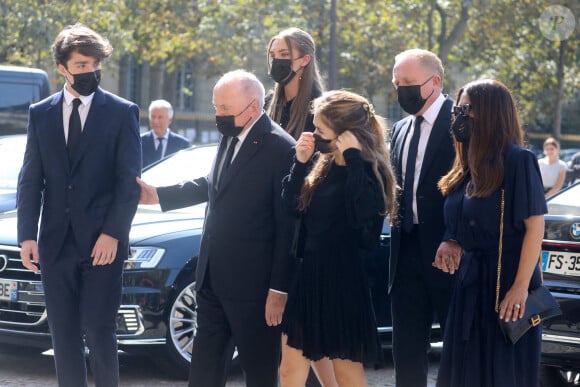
(427, 60)
(343, 110)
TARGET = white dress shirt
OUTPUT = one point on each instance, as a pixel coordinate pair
(67, 107)
(429, 118)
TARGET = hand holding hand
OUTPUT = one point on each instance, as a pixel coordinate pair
(148, 193)
(448, 256)
(29, 255)
(105, 250)
(275, 304)
(305, 147)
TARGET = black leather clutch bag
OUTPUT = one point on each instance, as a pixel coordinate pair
(540, 305)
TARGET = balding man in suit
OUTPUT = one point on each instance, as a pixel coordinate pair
(243, 269)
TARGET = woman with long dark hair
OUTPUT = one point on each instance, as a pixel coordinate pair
(492, 175)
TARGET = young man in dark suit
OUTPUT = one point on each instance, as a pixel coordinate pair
(83, 153)
(160, 141)
(243, 268)
(418, 290)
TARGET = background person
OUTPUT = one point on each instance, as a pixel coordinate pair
(553, 169)
(82, 156)
(342, 199)
(418, 291)
(490, 158)
(290, 106)
(293, 66)
(160, 117)
(242, 274)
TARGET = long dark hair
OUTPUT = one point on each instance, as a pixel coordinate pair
(496, 126)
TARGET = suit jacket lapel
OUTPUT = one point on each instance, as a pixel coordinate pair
(400, 146)
(57, 130)
(214, 169)
(249, 147)
(93, 126)
(440, 132)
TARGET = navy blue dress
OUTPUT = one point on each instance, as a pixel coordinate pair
(475, 352)
(329, 311)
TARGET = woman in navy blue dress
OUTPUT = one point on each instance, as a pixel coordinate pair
(342, 197)
(490, 158)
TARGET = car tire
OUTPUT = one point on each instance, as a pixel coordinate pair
(557, 377)
(181, 324)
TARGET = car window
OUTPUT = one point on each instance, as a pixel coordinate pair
(566, 202)
(187, 164)
(11, 158)
(184, 165)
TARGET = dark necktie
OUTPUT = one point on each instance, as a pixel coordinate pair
(227, 159)
(410, 176)
(74, 129)
(159, 150)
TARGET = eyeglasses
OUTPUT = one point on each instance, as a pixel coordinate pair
(461, 110)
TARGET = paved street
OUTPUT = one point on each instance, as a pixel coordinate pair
(23, 368)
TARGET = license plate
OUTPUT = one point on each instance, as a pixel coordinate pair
(560, 262)
(8, 290)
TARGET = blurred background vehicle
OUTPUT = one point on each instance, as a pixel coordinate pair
(561, 267)
(20, 87)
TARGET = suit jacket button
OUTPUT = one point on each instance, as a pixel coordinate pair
(70, 186)
(66, 210)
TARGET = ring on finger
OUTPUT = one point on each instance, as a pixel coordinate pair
(517, 306)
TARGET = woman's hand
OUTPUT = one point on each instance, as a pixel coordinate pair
(513, 306)
(305, 147)
(347, 140)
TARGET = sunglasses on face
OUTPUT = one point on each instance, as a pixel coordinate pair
(462, 110)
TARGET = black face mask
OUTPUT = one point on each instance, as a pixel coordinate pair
(322, 144)
(410, 99)
(462, 127)
(281, 71)
(226, 125)
(86, 83)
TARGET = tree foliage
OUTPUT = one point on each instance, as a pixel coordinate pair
(474, 38)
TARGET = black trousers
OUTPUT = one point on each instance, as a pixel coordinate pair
(222, 322)
(414, 304)
(82, 301)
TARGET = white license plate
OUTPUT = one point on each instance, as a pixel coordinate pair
(560, 262)
(8, 290)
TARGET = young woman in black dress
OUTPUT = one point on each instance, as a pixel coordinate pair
(293, 66)
(342, 197)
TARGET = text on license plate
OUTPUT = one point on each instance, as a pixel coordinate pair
(8, 290)
(560, 262)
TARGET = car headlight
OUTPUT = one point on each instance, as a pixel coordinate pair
(143, 257)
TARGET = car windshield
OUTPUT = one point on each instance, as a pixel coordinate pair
(566, 202)
(184, 165)
(11, 157)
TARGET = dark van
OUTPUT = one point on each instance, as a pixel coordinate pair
(19, 87)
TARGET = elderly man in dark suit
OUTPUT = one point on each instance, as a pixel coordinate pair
(422, 152)
(82, 156)
(243, 267)
(160, 141)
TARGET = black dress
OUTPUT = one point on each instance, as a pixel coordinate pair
(329, 311)
(475, 352)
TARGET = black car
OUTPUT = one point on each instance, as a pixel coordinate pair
(561, 268)
(158, 310)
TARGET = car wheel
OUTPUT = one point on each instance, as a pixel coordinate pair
(557, 377)
(181, 327)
